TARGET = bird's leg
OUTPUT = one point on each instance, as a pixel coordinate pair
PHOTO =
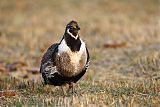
(63, 90)
(71, 87)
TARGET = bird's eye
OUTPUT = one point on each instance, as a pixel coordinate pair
(72, 27)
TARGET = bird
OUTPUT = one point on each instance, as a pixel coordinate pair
(66, 62)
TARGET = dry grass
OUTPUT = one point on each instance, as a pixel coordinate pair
(124, 76)
(91, 93)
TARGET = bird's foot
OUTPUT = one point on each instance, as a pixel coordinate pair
(71, 88)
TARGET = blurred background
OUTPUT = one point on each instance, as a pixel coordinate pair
(122, 36)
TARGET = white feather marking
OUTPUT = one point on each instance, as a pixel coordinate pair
(75, 37)
(63, 47)
(51, 69)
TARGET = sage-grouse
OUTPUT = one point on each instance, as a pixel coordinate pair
(65, 62)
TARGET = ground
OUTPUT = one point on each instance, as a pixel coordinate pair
(123, 39)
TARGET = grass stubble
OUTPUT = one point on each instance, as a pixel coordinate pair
(126, 76)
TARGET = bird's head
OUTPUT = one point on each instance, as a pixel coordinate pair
(72, 29)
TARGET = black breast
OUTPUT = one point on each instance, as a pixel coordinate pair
(73, 44)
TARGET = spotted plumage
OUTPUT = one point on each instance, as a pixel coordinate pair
(65, 62)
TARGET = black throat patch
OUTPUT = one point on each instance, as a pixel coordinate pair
(73, 44)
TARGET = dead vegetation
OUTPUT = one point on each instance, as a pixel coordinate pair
(123, 38)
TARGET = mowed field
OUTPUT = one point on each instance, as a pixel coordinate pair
(123, 38)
